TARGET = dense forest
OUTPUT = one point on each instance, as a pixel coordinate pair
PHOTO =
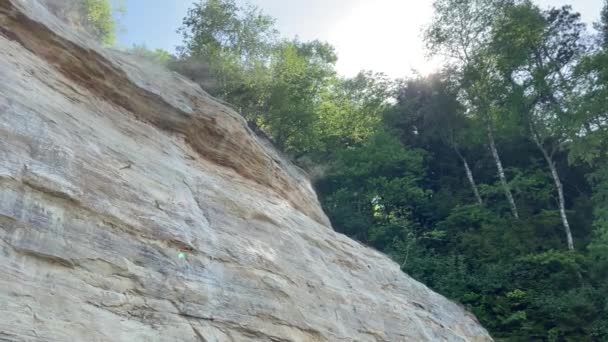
(487, 180)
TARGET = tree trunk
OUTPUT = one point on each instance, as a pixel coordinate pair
(501, 173)
(470, 177)
(560, 190)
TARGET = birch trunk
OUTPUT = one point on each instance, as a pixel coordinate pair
(501, 173)
(470, 177)
(560, 190)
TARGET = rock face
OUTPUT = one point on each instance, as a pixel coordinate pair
(135, 207)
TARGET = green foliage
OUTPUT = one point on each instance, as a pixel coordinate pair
(350, 110)
(100, 21)
(299, 72)
(590, 109)
(460, 27)
(407, 197)
(221, 29)
(598, 249)
(235, 43)
(385, 177)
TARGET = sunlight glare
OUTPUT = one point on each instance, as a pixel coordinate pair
(383, 35)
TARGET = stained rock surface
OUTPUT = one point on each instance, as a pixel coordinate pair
(135, 207)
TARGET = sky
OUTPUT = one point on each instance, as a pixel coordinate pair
(379, 35)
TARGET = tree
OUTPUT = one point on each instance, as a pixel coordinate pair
(232, 44)
(223, 29)
(276, 85)
(96, 17)
(590, 124)
(461, 31)
(100, 21)
(428, 110)
(350, 110)
(299, 71)
(372, 190)
(591, 144)
(537, 53)
(483, 96)
(460, 28)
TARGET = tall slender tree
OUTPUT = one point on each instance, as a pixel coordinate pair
(537, 53)
(461, 31)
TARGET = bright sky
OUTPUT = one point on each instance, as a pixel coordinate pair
(379, 35)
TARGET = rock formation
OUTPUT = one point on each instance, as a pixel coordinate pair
(135, 207)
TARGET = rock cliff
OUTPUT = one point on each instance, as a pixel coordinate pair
(135, 207)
